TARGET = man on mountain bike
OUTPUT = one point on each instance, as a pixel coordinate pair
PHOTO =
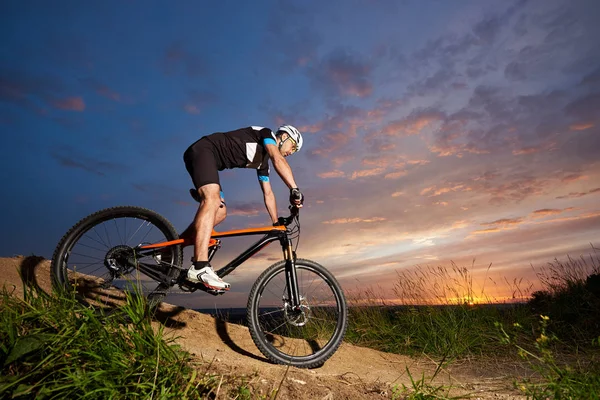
(250, 147)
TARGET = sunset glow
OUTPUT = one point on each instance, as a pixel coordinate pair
(434, 132)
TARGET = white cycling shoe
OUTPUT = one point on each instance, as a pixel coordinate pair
(207, 277)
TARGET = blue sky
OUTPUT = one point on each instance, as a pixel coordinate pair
(435, 131)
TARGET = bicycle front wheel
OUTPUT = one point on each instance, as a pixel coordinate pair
(99, 257)
(305, 336)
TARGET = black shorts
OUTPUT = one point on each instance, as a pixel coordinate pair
(201, 163)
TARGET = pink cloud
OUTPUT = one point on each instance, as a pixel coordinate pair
(70, 104)
(549, 211)
(484, 231)
(574, 177)
(339, 160)
(331, 174)
(580, 127)
(354, 220)
(191, 109)
(341, 73)
(413, 124)
(433, 191)
(579, 194)
(332, 142)
(395, 175)
(504, 221)
(588, 215)
(101, 89)
(527, 150)
(367, 172)
(243, 210)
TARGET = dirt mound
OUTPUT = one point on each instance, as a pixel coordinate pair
(227, 349)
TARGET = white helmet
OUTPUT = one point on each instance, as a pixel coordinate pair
(293, 133)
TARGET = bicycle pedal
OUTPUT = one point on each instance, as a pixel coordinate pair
(215, 292)
(187, 286)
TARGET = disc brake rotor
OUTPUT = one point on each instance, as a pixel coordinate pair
(120, 260)
(298, 316)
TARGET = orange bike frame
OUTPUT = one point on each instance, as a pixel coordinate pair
(271, 234)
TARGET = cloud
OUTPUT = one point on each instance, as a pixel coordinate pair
(354, 220)
(591, 78)
(70, 104)
(444, 78)
(30, 92)
(330, 142)
(177, 59)
(101, 89)
(580, 127)
(585, 110)
(577, 176)
(498, 226)
(197, 101)
(413, 124)
(534, 149)
(504, 222)
(244, 209)
(549, 211)
(395, 175)
(341, 74)
(573, 195)
(580, 217)
(366, 173)
(433, 191)
(331, 174)
(70, 158)
(292, 42)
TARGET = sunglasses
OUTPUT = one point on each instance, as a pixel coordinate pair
(294, 144)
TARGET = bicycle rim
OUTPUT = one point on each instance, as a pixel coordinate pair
(306, 337)
(97, 257)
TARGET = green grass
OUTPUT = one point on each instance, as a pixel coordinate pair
(52, 347)
(440, 318)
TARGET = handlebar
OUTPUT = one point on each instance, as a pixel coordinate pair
(285, 221)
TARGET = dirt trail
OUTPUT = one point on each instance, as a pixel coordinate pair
(352, 372)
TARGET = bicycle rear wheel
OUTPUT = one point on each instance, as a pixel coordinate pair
(305, 337)
(98, 257)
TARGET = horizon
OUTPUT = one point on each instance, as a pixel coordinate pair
(435, 133)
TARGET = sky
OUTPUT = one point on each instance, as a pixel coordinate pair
(436, 133)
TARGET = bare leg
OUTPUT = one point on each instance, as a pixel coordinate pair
(189, 234)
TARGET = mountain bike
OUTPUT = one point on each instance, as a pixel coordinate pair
(296, 310)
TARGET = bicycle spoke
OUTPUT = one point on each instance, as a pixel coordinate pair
(301, 332)
(271, 312)
(109, 239)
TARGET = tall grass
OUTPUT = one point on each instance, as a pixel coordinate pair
(440, 312)
(437, 312)
(439, 316)
(54, 347)
(570, 297)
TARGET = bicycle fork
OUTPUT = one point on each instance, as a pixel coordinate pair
(290, 273)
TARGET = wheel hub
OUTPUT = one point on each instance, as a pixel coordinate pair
(297, 316)
(120, 260)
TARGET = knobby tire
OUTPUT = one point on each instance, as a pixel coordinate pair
(264, 340)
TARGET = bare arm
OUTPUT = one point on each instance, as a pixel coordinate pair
(281, 166)
(270, 202)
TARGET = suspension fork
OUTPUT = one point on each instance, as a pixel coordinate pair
(291, 276)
